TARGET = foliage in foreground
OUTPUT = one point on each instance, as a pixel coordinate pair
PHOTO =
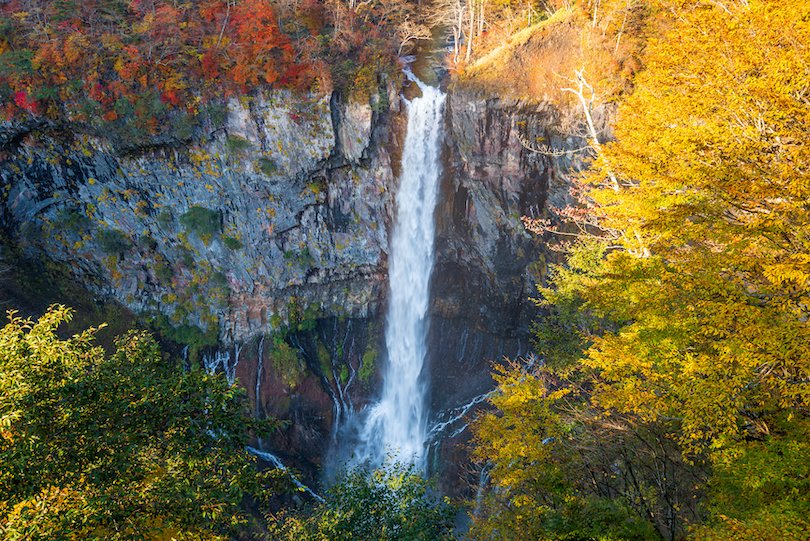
(384, 505)
(127, 446)
(676, 351)
(564, 470)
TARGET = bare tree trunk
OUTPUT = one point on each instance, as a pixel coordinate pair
(579, 92)
(621, 29)
(224, 24)
(586, 103)
(471, 15)
(457, 33)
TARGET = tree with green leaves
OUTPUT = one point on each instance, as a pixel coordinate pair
(385, 505)
(122, 446)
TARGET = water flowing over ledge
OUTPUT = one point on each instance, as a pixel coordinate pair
(395, 427)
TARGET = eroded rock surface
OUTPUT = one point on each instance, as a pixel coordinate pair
(487, 263)
(228, 232)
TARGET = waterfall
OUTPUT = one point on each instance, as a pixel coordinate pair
(213, 361)
(279, 465)
(259, 371)
(455, 415)
(395, 427)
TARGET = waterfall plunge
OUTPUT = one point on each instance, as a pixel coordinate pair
(395, 428)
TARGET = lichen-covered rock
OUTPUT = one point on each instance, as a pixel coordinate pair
(293, 134)
(355, 130)
(225, 233)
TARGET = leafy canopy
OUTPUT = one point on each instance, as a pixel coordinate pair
(689, 333)
(712, 151)
(126, 446)
(384, 505)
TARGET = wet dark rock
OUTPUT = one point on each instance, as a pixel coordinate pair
(487, 264)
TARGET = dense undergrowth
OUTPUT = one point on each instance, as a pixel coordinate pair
(125, 445)
(128, 444)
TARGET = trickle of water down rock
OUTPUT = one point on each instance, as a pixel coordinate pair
(395, 427)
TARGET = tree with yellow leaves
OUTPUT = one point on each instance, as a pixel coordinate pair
(712, 153)
(695, 320)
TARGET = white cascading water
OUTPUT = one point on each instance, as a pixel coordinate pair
(395, 428)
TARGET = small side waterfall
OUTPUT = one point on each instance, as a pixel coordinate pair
(259, 374)
(270, 458)
(395, 428)
(213, 361)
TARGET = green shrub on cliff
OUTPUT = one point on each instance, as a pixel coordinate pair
(236, 144)
(113, 241)
(203, 222)
(232, 243)
(122, 446)
(286, 363)
(267, 166)
(72, 220)
(368, 363)
(183, 333)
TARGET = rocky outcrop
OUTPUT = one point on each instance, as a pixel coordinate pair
(487, 263)
(268, 232)
(225, 234)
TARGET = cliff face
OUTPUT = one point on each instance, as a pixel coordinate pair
(505, 159)
(264, 245)
(487, 264)
(285, 203)
(274, 223)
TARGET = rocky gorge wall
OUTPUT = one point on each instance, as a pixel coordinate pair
(505, 158)
(271, 223)
(263, 245)
(277, 207)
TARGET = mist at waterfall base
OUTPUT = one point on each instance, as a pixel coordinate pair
(394, 429)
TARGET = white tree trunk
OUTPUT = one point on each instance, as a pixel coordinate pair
(579, 92)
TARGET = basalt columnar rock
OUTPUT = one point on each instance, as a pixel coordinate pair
(505, 159)
(225, 233)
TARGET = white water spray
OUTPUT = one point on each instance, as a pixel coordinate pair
(395, 428)
(222, 359)
(279, 465)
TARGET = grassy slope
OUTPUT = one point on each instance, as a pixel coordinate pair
(538, 61)
(524, 66)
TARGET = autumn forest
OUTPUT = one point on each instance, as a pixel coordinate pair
(615, 334)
